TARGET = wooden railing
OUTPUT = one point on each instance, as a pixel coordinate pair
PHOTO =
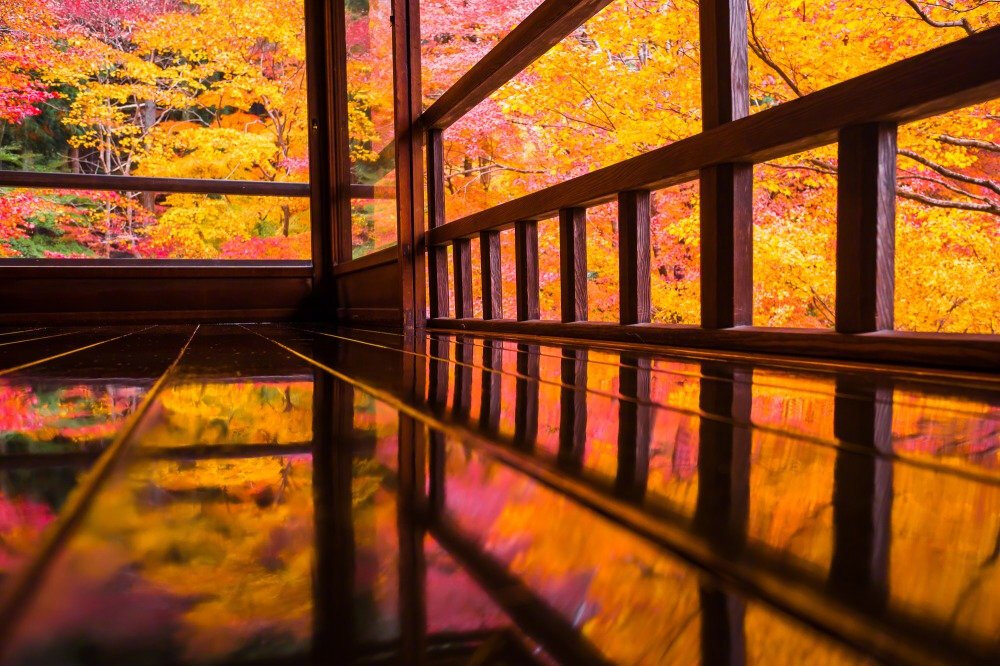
(861, 115)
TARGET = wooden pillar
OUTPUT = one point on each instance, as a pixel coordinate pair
(437, 384)
(573, 263)
(723, 637)
(489, 252)
(462, 256)
(862, 491)
(409, 138)
(573, 409)
(339, 135)
(866, 228)
(437, 256)
(633, 257)
(412, 565)
(635, 421)
(526, 396)
(526, 263)
(726, 189)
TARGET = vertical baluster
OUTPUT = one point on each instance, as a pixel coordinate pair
(489, 251)
(463, 379)
(866, 227)
(462, 257)
(526, 260)
(573, 263)
(633, 257)
(437, 255)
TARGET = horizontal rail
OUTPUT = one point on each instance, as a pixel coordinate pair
(63, 269)
(949, 77)
(980, 353)
(75, 181)
(386, 255)
(545, 27)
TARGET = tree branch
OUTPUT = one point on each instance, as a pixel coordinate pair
(948, 173)
(969, 143)
(988, 207)
(961, 23)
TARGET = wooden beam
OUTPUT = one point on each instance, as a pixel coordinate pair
(943, 79)
(340, 139)
(866, 228)
(437, 255)
(462, 259)
(546, 26)
(633, 257)
(491, 269)
(573, 263)
(526, 264)
(319, 28)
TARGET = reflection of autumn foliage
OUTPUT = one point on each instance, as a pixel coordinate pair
(211, 558)
(64, 415)
(22, 521)
(232, 413)
(631, 600)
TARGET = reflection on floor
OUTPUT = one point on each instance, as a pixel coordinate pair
(294, 494)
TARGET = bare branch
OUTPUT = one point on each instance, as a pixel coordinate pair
(969, 143)
(949, 173)
(988, 207)
(961, 23)
(761, 52)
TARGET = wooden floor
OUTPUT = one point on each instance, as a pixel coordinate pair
(298, 494)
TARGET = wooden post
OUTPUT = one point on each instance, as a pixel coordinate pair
(573, 409)
(437, 255)
(573, 263)
(633, 257)
(489, 252)
(526, 263)
(409, 137)
(340, 136)
(726, 189)
(723, 636)
(866, 228)
(462, 257)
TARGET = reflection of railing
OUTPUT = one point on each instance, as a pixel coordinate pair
(860, 114)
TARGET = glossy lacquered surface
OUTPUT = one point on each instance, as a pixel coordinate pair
(301, 494)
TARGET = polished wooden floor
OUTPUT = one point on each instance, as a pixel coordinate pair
(297, 494)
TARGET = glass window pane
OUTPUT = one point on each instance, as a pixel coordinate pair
(163, 88)
(79, 224)
(371, 121)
